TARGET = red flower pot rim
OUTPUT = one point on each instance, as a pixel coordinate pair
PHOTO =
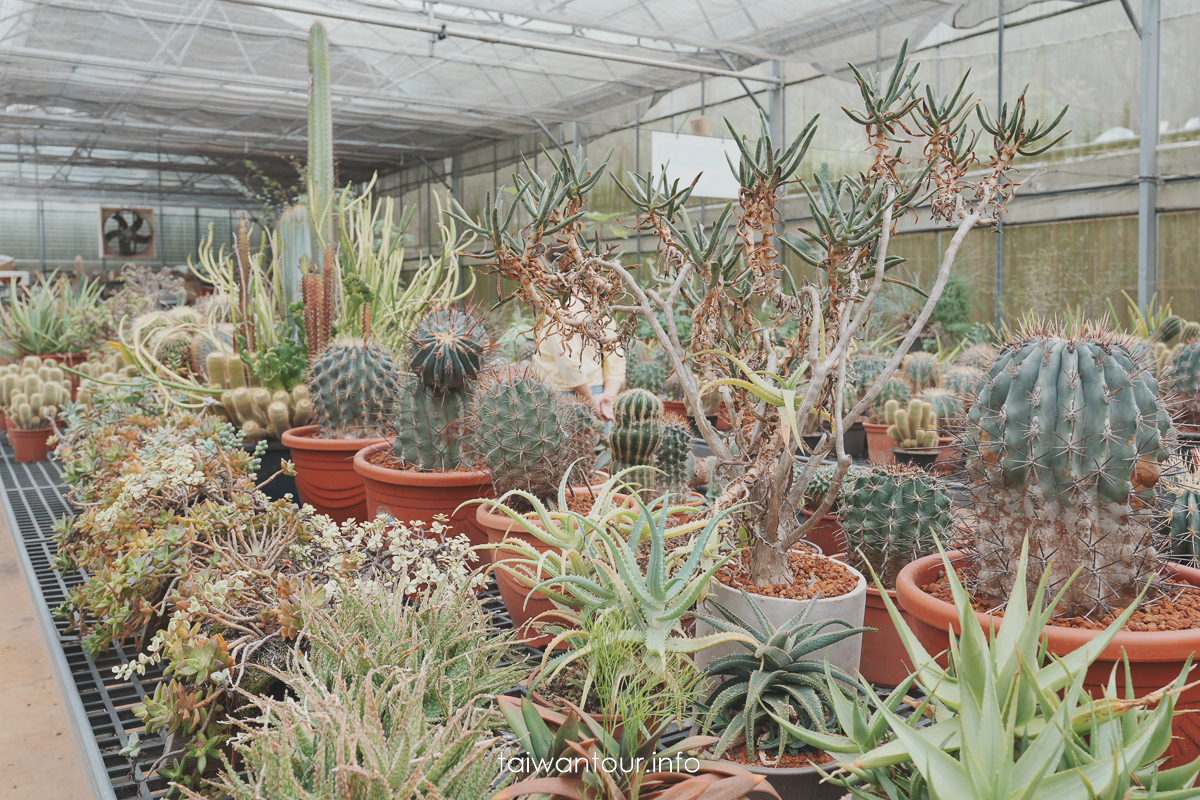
(1144, 646)
(412, 477)
(305, 438)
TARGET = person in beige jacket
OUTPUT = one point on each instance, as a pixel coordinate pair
(576, 366)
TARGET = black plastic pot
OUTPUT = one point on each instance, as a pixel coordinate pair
(855, 440)
(271, 462)
(923, 457)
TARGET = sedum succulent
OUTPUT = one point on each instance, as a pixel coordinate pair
(893, 515)
(778, 674)
(1064, 446)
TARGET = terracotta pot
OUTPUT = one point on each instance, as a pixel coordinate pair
(827, 535)
(848, 607)
(884, 660)
(1155, 657)
(1189, 440)
(723, 420)
(30, 446)
(675, 407)
(879, 444)
(412, 496)
(325, 476)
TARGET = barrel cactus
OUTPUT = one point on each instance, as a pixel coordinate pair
(822, 479)
(1190, 333)
(961, 380)
(947, 406)
(1180, 517)
(448, 350)
(896, 389)
(675, 457)
(1064, 447)
(866, 368)
(892, 515)
(529, 435)
(912, 426)
(636, 434)
(979, 355)
(353, 385)
(1168, 330)
(648, 375)
(921, 370)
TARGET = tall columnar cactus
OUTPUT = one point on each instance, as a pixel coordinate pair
(675, 457)
(529, 435)
(947, 406)
(448, 349)
(921, 370)
(648, 375)
(1184, 376)
(1180, 517)
(636, 434)
(896, 389)
(1168, 330)
(892, 515)
(913, 426)
(320, 132)
(296, 250)
(353, 385)
(1064, 446)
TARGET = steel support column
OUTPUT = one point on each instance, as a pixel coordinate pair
(1148, 155)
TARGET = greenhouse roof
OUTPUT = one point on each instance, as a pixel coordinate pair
(172, 97)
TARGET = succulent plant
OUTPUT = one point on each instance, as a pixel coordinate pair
(979, 355)
(1190, 333)
(778, 674)
(947, 405)
(892, 515)
(259, 412)
(296, 246)
(1168, 330)
(353, 386)
(921, 369)
(1180, 517)
(818, 487)
(1063, 446)
(527, 351)
(1184, 375)
(913, 426)
(636, 434)
(960, 380)
(896, 389)
(648, 375)
(448, 349)
(530, 435)
(867, 367)
(38, 395)
(675, 457)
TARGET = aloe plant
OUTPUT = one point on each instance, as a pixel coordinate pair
(37, 323)
(1009, 721)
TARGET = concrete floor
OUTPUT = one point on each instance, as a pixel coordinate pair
(39, 755)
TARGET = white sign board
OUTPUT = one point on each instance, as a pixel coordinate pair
(685, 157)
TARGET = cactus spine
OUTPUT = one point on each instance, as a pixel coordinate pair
(529, 435)
(979, 356)
(1184, 374)
(1062, 447)
(893, 515)
(353, 387)
(914, 426)
(675, 457)
(447, 350)
(921, 370)
(1180, 518)
(636, 435)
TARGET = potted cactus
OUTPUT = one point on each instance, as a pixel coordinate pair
(890, 516)
(948, 407)
(914, 431)
(352, 385)
(34, 403)
(879, 443)
(428, 470)
(1065, 446)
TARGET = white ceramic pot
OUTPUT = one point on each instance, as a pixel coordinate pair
(849, 607)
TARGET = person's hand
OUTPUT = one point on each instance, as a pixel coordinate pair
(604, 407)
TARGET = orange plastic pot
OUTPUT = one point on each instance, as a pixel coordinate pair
(30, 445)
(325, 476)
(884, 660)
(879, 444)
(1155, 657)
(414, 496)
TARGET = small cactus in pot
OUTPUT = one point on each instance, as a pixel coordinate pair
(947, 406)
(913, 426)
(636, 434)
(38, 397)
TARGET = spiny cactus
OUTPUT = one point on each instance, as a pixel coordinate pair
(320, 132)
(353, 385)
(37, 396)
(921, 370)
(960, 380)
(448, 350)
(1063, 446)
(449, 347)
(296, 250)
(1180, 517)
(892, 515)
(818, 487)
(1184, 375)
(648, 375)
(979, 355)
(1190, 333)
(636, 435)
(221, 341)
(675, 457)
(914, 426)
(263, 414)
(1168, 330)
(896, 389)
(947, 406)
(866, 367)
(527, 351)
(530, 435)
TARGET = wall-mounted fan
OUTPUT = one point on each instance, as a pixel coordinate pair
(127, 233)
